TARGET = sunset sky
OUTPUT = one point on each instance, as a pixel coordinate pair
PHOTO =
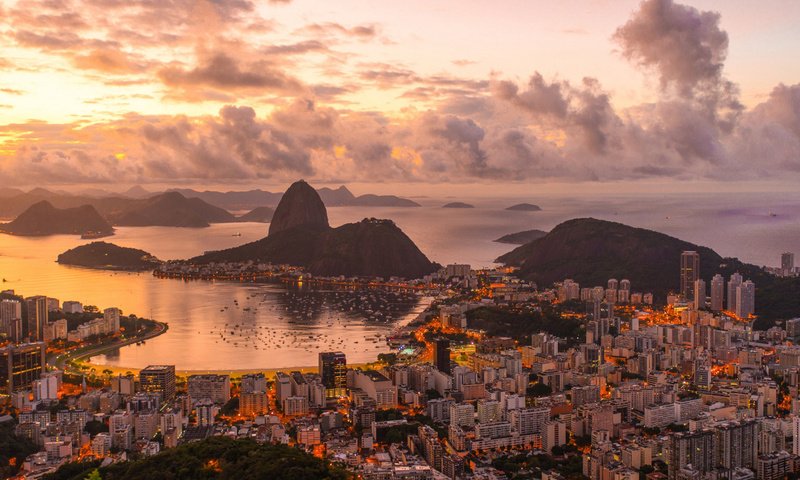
(239, 92)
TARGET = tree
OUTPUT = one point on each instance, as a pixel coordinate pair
(94, 475)
(538, 390)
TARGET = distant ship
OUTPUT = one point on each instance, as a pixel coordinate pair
(237, 234)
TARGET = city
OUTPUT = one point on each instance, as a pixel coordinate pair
(681, 391)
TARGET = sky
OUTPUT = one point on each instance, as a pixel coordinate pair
(414, 92)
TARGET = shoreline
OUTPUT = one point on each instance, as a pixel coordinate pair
(233, 373)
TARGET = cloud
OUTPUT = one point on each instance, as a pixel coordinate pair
(307, 46)
(11, 91)
(364, 32)
(222, 71)
(108, 61)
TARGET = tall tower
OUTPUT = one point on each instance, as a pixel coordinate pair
(690, 272)
(717, 292)
(36, 317)
(333, 370)
(787, 264)
(733, 285)
(745, 299)
(11, 319)
(699, 294)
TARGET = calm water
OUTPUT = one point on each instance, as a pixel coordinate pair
(241, 326)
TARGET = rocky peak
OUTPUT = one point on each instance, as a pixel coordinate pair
(301, 205)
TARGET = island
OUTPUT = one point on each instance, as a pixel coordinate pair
(108, 256)
(524, 207)
(258, 214)
(43, 218)
(457, 205)
(521, 238)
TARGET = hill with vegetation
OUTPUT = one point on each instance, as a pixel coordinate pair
(591, 251)
(108, 256)
(521, 238)
(213, 458)
(458, 205)
(43, 218)
(299, 235)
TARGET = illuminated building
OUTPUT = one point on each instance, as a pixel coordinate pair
(11, 319)
(21, 366)
(442, 356)
(699, 294)
(333, 370)
(690, 272)
(158, 379)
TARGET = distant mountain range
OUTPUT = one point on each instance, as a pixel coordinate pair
(42, 218)
(300, 235)
(591, 251)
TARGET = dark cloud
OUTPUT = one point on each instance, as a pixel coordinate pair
(222, 71)
(307, 46)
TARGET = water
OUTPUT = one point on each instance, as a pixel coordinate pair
(733, 224)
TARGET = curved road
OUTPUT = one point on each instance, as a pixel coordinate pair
(61, 360)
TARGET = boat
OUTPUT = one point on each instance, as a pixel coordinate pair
(237, 234)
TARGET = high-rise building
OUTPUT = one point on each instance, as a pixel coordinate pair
(158, 379)
(695, 449)
(333, 370)
(699, 294)
(442, 355)
(690, 272)
(216, 388)
(733, 285)
(745, 299)
(21, 366)
(787, 264)
(36, 317)
(111, 317)
(717, 293)
(11, 319)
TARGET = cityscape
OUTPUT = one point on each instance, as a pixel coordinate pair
(293, 239)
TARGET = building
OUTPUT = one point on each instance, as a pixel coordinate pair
(71, 306)
(11, 319)
(733, 285)
(158, 379)
(254, 403)
(333, 370)
(442, 355)
(717, 293)
(111, 317)
(695, 449)
(699, 294)
(253, 382)
(36, 318)
(20, 366)
(787, 264)
(745, 299)
(690, 272)
(774, 466)
(554, 435)
(216, 388)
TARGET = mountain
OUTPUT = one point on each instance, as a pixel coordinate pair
(258, 214)
(43, 218)
(591, 251)
(301, 205)
(6, 192)
(244, 200)
(457, 205)
(521, 238)
(171, 209)
(137, 191)
(299, 235)
(336, 198)
(342, 197)
(524, 207)
(108, 255)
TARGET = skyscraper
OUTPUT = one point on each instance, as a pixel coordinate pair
(733, 285)
(745, 299)
(333, 370)
(690, 272)
(20, 366)
(787, 264)
(36, 317)
(442, 355)
(111, 317)
(158, 379)
(11, 319)
(699, 294)
(717, 292)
